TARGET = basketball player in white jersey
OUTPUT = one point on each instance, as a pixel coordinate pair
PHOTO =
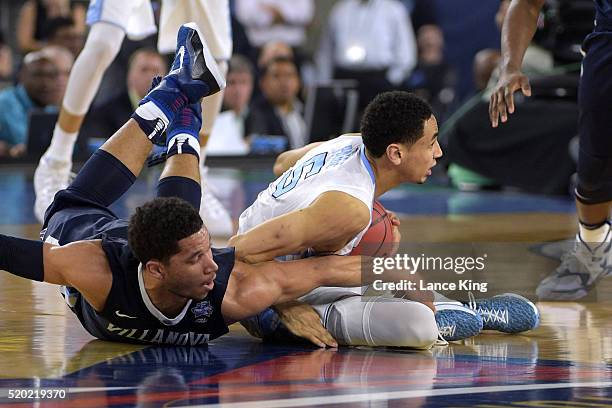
(322, 203)
(110, 21)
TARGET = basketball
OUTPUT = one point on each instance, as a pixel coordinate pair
(378, 239)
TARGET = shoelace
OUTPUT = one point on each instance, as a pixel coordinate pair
(488, 315)
(448, 331)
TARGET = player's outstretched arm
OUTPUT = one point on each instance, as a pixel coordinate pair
(518, 30)
(328, 224)
(252, 288)
(82, 265)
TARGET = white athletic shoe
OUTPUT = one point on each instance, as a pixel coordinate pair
(216, 218)
(580, 269)
(51, 176)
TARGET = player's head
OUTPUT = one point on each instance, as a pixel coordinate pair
(168, 236)
(280, 81)
(399, 129)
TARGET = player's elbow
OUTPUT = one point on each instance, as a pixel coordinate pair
(279, 165)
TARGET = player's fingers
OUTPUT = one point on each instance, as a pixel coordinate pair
(394, 219)
(509, 99)
(493, 115)
(328, 339)
(501, 106)
(314, 340)
(525, 86)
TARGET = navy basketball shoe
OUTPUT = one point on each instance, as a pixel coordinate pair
(194, 74)
(508, 313)
(457, 322)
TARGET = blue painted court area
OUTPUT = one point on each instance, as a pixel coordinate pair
(238, 188)
(236, 371)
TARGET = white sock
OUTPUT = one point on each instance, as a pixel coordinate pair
(62, 144)
(594, 236)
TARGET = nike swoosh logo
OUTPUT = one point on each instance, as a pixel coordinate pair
(123, 315)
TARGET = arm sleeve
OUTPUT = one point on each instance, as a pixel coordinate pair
(22, 257)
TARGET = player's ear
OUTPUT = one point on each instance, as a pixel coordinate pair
(394, 153)
(155, 269)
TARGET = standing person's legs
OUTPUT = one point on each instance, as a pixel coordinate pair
(110, 21)
(590, 259)
(53, 171)
(114, 167)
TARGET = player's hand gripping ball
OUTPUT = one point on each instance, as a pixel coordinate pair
(383, 236)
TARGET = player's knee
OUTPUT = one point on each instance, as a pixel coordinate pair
(103, 43)
(594, 174)
(408, 324)
(593, 181)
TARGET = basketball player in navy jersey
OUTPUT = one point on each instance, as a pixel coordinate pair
(591, 257)
(156, 279)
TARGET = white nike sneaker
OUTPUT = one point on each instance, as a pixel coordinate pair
(51, 176)
(580, 269)
(215, 216)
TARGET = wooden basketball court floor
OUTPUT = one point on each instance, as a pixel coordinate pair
(566, 362)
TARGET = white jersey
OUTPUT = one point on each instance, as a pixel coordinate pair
(337, 165)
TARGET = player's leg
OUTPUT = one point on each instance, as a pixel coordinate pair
(114, 167)
(181, 174)
(214, 214)
(590, 259)
(53, 171)
(380, 321)
(110, 21)
(213, 19)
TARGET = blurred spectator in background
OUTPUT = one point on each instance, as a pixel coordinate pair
(468, 26)
(228, 136)
(41, 85)
(63, 31)
(371, 41)
(433, 78)
(6, 63)
(278, 111)
(35, 14)
(240, 41)
(275, 20)
(274, 49)
(103, 121)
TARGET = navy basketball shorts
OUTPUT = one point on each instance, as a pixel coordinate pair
(595, 120)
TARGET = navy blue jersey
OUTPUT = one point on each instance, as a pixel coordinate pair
(129, 315)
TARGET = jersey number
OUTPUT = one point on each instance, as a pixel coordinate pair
(291, 178)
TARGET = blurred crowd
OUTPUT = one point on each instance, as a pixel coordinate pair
(301, 71)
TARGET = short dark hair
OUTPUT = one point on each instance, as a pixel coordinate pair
(393, 117)
(240, 63)
(157, 226)
(263, 70)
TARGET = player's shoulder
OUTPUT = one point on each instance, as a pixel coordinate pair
(353, 139)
